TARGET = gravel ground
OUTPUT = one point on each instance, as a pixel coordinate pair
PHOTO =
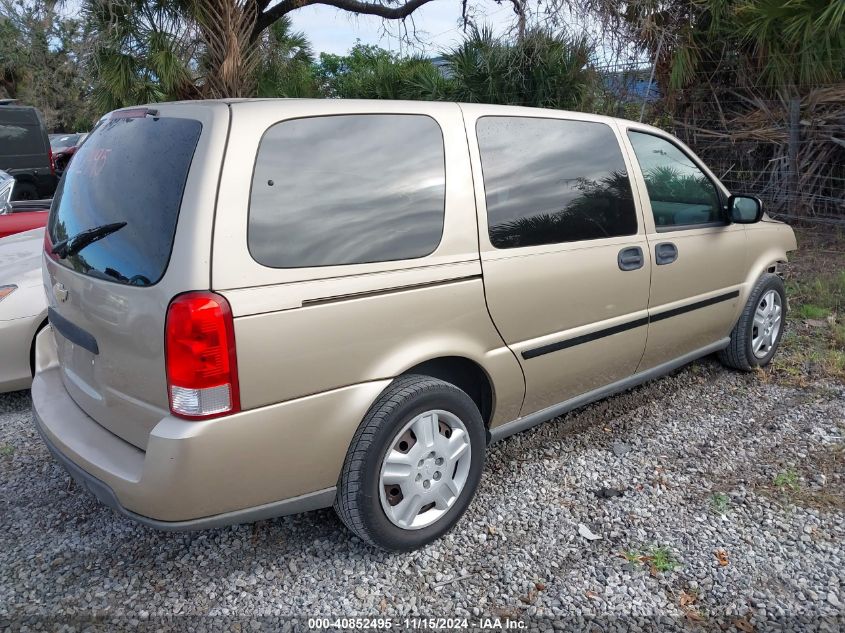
(711, 539)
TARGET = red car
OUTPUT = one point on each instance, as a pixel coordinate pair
(22, 215)
(25, 215)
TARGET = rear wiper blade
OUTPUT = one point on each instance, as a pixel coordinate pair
(73, 245)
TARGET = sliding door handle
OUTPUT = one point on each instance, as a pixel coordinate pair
(665, 253)
(630, 258)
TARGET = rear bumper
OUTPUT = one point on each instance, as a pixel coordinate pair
(106, 496)
(257, 464)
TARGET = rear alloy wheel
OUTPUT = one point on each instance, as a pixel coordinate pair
(755, 338)
(425, 470)
(414, 464)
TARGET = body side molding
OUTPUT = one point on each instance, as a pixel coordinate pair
(624, 327)
(533, 419)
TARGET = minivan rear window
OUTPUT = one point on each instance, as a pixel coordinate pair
(129, 170)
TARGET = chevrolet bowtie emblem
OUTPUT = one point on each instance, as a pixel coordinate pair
(60, 292)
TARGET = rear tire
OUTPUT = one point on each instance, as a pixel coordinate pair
(757, 334)
(403, 454)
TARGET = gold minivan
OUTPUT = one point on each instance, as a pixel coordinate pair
(263, 307)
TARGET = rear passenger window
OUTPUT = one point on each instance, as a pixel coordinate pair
(680, 193)
(347, 189)
(550, 180)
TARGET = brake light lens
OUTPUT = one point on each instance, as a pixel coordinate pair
(133, 113)
(52, 162)
(48, 246)
(202, 369)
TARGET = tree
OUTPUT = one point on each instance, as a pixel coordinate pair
(541, 69)
(371, 72)
(231, 34)
(748, 42)
(286, 63)
(40, 58)
(142, 52)
(147, 51)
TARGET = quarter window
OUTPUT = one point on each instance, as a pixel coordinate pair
(680, 193)
(347, 189)
(548, 181)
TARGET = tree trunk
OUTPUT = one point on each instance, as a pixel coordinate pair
(226, 28)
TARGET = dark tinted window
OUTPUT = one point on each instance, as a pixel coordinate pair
(550, 181)
(680, 193)
(346, 190)
(134, 171)
(20, 132)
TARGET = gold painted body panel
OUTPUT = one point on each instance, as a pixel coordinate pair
(540, 295)
(289, 353)
(711, 262)
(545, 298)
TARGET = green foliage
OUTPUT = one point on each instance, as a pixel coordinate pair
(658, 559)
(812, 311)
(371, 72)
(40, 59)
(544, 69)
(755, 42)
(797, 42)
(787, 479)
(825, 291)
(285, 69)
(662, 559)
(142, 52)
(720, 502)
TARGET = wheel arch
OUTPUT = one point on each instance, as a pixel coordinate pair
(768, 246)
(466, 374)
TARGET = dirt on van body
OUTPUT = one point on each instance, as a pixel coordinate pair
(718, 498)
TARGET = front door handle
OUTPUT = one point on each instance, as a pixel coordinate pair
(665, 253)
(631, 258)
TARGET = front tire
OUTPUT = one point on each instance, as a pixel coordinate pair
(757, 334)
(413, 466)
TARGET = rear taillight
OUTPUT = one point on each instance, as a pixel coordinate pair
(52, 162)
(48, 246)
(202, 368)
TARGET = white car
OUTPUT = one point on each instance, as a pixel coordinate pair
(23, 307)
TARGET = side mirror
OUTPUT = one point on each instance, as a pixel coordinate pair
(745, 209)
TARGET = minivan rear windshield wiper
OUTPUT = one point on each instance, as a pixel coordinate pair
(73, 245)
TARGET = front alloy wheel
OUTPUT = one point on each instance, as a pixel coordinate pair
(767, 318)
(757, 333)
